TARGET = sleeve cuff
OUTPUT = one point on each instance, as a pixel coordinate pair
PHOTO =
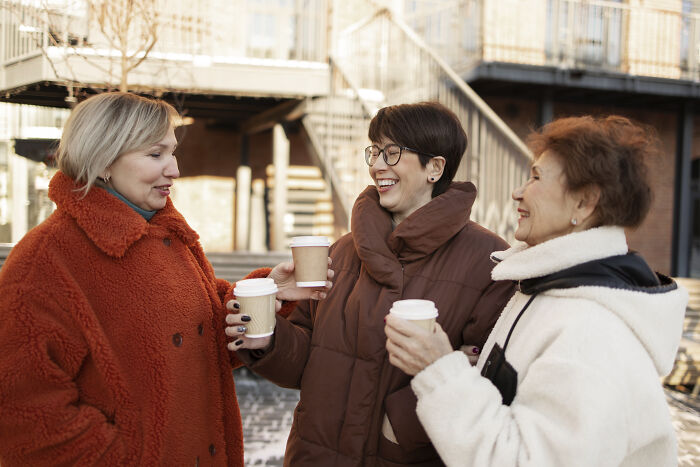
(439, 373)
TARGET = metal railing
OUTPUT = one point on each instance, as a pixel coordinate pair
(198, 29)
(337, 125)
(381, 61)
(641, 39)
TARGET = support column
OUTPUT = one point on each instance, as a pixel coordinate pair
(683, 205)
(258, 226)
(280, 159)
(20, 201)
(243, 175)
(546, 110)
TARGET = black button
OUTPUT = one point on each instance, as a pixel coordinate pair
(166, 241)
(212, 450)
(200, 329)
(177, 339)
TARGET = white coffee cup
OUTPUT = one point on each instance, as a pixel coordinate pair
(310, 256)
(421, 312)
(257, 300)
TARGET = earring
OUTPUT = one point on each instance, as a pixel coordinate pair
(432, 179)
(574, 221)
(106, 178)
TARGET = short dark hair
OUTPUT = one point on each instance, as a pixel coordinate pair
(425, 126)
(608, 153)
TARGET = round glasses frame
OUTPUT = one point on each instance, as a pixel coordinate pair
(371, 158)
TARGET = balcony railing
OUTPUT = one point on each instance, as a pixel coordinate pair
(264, 29)
(614, 36)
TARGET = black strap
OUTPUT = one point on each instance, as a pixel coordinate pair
(532, 297)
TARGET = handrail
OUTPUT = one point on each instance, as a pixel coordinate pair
(381, 54)
(459, 82)
(334, 64)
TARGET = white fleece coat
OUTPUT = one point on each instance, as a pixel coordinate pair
(588, 360)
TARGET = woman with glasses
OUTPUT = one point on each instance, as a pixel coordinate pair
(411, 239)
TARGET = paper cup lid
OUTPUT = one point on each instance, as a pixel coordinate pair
(254, 287)
(414, 309)
(310, 241)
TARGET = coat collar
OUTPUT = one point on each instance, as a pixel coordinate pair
(420, 234)
(109, 223)
(523, 262)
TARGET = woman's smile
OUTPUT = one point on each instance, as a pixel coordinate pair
(386, 184)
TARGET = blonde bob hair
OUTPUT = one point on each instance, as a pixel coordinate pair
(107, 125)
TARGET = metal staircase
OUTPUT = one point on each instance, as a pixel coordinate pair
(369, 71)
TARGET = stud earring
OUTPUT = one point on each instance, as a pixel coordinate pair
(574, 221)
(432, 179)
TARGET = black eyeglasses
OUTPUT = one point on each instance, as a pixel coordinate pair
(391, 152)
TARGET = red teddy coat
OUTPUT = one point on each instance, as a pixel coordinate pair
(112, 350)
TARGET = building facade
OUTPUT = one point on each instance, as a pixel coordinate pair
(276, 88)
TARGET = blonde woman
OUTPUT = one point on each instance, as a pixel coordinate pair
(112, 344)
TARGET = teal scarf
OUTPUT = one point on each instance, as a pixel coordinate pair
(145, 214)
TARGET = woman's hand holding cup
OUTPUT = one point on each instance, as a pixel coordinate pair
(287, 289)
(237, 327)
(414, 339)
(254, 324)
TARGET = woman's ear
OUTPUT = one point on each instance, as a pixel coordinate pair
(587, 201)
(435, 168)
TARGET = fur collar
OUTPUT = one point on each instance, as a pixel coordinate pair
(523, 262)
(109, 223)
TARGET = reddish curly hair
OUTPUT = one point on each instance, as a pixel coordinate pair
(609, 153)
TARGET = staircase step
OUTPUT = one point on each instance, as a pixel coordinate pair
(4, 251)
(230, 266)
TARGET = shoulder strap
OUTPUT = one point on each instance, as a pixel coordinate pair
(505, 344)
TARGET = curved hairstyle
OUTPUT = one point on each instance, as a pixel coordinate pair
(107, 125)
(608, 153)
(426, 126)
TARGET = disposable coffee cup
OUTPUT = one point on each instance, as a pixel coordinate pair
(257, 300)
(421, 312)
(310, 255)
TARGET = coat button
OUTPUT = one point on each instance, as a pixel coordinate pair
(200, 329)
(177, 339)
(212, 450)
(166, 241)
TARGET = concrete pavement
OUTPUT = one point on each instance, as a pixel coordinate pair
(267, 417)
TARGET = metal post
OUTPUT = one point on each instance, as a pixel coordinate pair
(546, 110)
(683, 206)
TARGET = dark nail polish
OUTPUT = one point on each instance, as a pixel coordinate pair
(245, 318)
(238, 342)
(236, 306)
(476, 350)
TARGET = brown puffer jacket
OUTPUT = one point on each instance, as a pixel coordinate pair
(334, 350)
